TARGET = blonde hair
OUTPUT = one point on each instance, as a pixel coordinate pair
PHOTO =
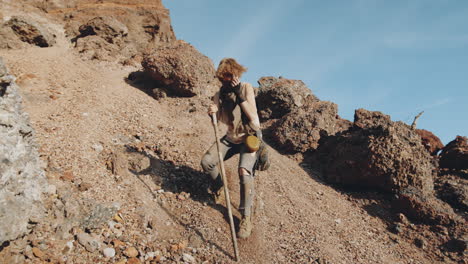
(229, 66)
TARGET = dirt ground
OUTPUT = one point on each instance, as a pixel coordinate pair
(82, 110)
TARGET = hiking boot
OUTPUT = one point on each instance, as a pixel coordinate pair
(245, 227)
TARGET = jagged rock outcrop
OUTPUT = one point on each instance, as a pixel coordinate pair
(454, 155)
(103, 38)
(279, 96)
(430, 141)
(147, 22)
(377, 153)
(107, 28)
(22, 179)
(301, 129)
(18, 31)
(182, 70)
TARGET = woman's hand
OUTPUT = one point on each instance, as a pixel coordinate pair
(235, 81)
(212, 109)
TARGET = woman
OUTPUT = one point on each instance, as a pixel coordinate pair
(235, 106)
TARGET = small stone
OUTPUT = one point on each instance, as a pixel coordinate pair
(131, 252)
(122, 261)
(420, 243)
(90, 243)
(68, 247)
(133, 261)
(98, 147)
(118, 218)
(38, 253)
(181, 197)
(398, 228)
(118, 243)
(174, 248)
(182, 245)
(53, 97)
(188, 258)
(84, 186)
(338, 221)
(402, 218)
(68, 176)
(109, 252)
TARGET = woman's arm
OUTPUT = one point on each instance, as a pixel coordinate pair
(249, 106)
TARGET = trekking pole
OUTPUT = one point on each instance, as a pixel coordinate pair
(226, 190)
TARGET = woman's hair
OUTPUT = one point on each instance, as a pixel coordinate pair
(229, 66)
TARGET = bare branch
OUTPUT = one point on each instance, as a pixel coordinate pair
(413, 125)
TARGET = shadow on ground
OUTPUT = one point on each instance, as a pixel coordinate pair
(177, 179)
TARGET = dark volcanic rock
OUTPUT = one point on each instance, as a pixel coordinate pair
(423, 208)
(455, 154)
(302, 128)
(31, 32)
(453, 190)
(377, 153)
(279, 96)
(430, 141)
(182, 69)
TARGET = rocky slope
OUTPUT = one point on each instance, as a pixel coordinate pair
(125, 167)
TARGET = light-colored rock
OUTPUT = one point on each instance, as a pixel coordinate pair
(131, 252)
(99, 216)
(109, 252)
(22, 178)
(38, 253)
(90, 243)
(188, 258)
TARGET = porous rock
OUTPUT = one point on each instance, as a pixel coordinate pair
(301, 129)
(182, 70)
(454, 155)
(377, 153)
(430, 141)
(279, 96)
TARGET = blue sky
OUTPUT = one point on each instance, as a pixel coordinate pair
(397, 57)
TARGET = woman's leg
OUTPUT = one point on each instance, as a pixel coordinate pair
(247, 190)
(210, 160)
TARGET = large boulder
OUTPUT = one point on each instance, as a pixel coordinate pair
(301, 129)
(454, 155)
(31, 32)
(22, 178)
(182, 69)
(377, 153)
(279, 96)
(430, 141)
